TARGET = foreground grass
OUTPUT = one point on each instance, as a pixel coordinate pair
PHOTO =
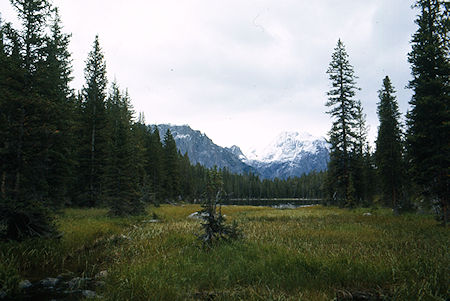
(301, 254)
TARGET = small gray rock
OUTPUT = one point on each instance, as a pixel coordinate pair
(152, 221)
(3, 295)
(89, 294)
(74, 283)
(123, 236)
(49, 282)
(24, 284)
(78, 282)
(102, 274)
(198, 215)
(367, 214)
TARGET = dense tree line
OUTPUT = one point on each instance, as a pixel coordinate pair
(63, 148)
(409, 165)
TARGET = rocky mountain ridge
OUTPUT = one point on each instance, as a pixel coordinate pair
(290, 154)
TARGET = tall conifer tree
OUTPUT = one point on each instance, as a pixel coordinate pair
(30, 136)
(155, 164)
(360, 153)
(428, 133)
(171, 167)
(54, 81)
(389, 146)
(342, 134)
(94, 138)
(121, 171)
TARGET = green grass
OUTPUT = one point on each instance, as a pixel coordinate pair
(301, 254)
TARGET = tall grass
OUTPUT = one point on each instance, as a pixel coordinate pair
(305, 253)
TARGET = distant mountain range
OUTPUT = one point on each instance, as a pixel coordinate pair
(202, 150)
(289, 154)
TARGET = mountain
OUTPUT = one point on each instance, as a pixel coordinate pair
(290, 154)
(204, 151)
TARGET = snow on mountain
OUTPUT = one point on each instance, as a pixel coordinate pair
(287, 146)
(290, 154)
(235, 150)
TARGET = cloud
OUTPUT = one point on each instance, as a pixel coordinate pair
(241, 71)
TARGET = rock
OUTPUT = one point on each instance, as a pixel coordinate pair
(152, 221)
(74, 283)
(77, 282)
(101, 274)
(285, 206)
(367, 214)
(123, 236)
(89, 294)
(49, 282)
(24, 284)
(3, 295)
(198, 215)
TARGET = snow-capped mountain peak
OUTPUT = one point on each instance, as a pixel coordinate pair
(236, 150)
(287, 146)
(290, 154)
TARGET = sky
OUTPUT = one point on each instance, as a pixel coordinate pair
(241, 71)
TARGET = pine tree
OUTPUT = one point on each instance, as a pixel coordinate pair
(214, 225)
(171, 167)
(53, 79)
(28, 129)
(121, 171)
(93, 136)
(342, 134)
(389, 146)
(155, 164)
(187, 177)
(359, 156)
(428, 122)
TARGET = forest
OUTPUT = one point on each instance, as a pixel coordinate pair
(64, 148)
(62, 151)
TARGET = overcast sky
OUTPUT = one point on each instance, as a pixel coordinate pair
(241, 71)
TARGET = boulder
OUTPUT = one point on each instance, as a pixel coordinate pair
(24, 284)
(49, 282)
(89, 294)
(102, 274)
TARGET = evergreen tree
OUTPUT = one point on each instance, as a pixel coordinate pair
(53, 81)
(342, 134)
(140, 138)
(93, 135)
(428, 122)
(214, 225)
(121, 172)
(28, 131)
(359, 156)
(187, 177)
(171, 167)
(155, 164)
(369, 176)
(389, 146)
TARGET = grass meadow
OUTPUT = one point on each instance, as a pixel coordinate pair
(311, 253)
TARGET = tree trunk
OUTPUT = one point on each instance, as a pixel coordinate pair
(92, 170)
